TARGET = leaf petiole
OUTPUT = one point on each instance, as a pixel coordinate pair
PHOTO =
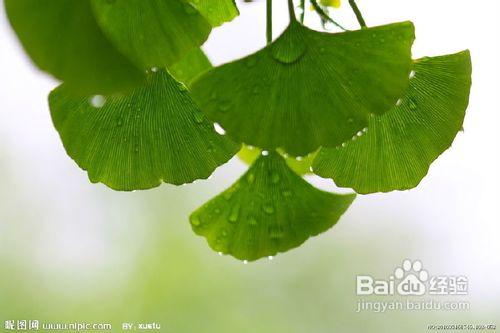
(358, 14)
(269, 21)
(324, 15)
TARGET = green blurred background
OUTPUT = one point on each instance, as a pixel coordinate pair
(74, 251)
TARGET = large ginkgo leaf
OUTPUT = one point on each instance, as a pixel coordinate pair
(308, 88)
(128, 142)
(153, 33)
(216, 11)
(63, 38)
(268, 210)
(398, 148)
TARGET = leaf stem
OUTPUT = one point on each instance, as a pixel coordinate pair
(269, 21)
(324, 15)
(291, 11)
(303, 8)
(358, 14)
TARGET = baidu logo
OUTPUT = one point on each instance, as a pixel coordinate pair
(411, 279)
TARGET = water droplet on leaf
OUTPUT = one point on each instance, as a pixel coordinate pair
(268, 209)
(97, 101)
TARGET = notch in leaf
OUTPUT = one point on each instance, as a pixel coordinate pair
(63, 39)
(152, 33)
(309, 89)
(399, 147)
(268, 210)
(135, 141)
(300, 165)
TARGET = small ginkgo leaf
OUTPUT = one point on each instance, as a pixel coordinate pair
(63, 39)
(216, 12)
(301, 165)
(397, 149)
(191, 66)
(308, 88)
(268, 210)
(152, 33)
(135, 141)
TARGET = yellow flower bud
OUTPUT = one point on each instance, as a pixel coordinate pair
(330, 3)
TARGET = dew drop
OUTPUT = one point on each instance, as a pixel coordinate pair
(265, 153)
(195, 221)
(250, 178)
(270, 257)
(245, 262)
(288, 49)
(218, 128)
(154, 69)
(287, 193)
(398, 103)
(219, 253)
(268, 209)
(412, 74)
(97, 101)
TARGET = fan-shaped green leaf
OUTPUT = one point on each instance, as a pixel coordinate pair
(309, 89)
(301, 165)
(216, 11)
(136, 141)
(268, 210)
(189, 67)
(398, 148)
(152, 33)
(62, 38)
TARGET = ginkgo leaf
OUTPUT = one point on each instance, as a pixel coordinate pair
(216, 11)
(63, 39)
(191, 66)
(152, 33)
(301, 165)
(399, 147)
(135, 141)
(268, 210)
(308, 88)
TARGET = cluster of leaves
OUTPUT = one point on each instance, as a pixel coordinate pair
(139, 101)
